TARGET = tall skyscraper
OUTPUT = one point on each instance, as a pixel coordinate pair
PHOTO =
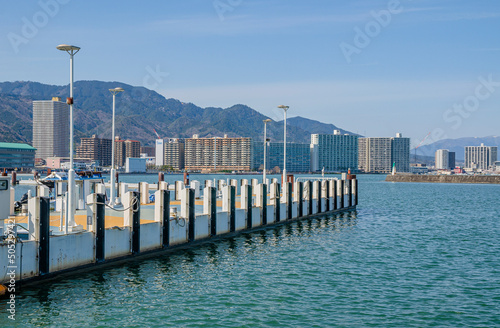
(378, 155)
(51, 128)
(442, 159)
(480, 157)
(334, 152)
(96, 149)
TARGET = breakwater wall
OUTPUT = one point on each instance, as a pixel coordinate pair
(149, 228)
(492, 179)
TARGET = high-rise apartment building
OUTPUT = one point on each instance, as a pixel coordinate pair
(451, 160)
(217, 154)
(170, 152)
(442, 159)
(378, 155)
(96, 149)
(298, 156)
(334, 152)
(480, 157)
(51, 128)
(126, 149)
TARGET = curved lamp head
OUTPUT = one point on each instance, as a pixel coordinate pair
(285, 108)
(69, 49)
(267, 120)
(116, 90)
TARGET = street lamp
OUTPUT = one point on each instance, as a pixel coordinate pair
(285, 108)
(265, 149)
(71, 50)
(114, 91)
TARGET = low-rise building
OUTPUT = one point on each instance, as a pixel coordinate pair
(17, 156)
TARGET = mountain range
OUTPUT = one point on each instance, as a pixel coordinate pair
(140, 111)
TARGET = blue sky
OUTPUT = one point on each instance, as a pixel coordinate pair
(372, 67)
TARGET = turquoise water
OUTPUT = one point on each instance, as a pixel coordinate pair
(413, 255)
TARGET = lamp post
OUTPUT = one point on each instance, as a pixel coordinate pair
(112, 192)
(285, 108)
(265, 149)
(71, 50)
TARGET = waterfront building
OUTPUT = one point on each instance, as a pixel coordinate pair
(16, 156)
(378, 155)
(298, 156)
(216, 154)
(149, 151)
(170, 152)
(334, 152)
(480, 157)
(96, 149)
(451, 160)
(125, 149)
(442, 159)
(51, 128)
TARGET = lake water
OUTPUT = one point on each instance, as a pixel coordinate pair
(413, 255)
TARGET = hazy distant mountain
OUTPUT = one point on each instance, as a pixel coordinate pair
(457, 145)
(138, 112)
(311, 125)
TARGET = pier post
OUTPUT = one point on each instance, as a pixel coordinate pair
(333, 193)
(34, 217)
(275, 200)
(288, 200)
(255, 183)
(44, 237)
(341, 192)
(234, 183)
(131, 218)
(325, 194)
(317, 195)
(163, 186)
(162, 214)
(349, 192)
(229, 205)
(307, 197)
(187, 211)
(261, 202)
(246, 203)
(297, 197)
(355, 187)
(100, 228)
(179, 185)
(210, 208)
(144, 192)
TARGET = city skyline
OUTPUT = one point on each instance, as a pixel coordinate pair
(415, 67)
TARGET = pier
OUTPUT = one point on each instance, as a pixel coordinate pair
(179, 217)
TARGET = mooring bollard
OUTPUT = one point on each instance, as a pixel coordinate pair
(261, 202)
(274, 200)
(234, 183)
(255, 183)
(162, 214)
(210, 208)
